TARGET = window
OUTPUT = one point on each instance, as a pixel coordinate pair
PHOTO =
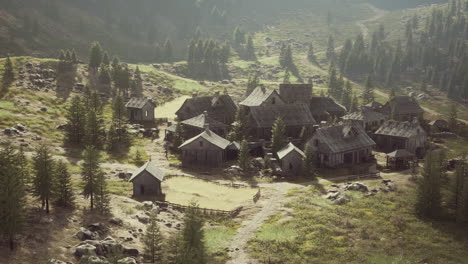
(201, 144)
(291, 166)
(273, 100)
(146, 113)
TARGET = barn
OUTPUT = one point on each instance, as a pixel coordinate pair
(147, 180)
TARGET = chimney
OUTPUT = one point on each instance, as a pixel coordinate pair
(205, 113)
(207, 126)
(263, 88)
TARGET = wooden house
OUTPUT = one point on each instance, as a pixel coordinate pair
(295, 93)
(295, 117)
(438, 126)
(196, 125)
(147, 180)
(220, 107)
(261, 96)
(343, 145)
(402, 108)
(369, 119)
(393, 135)
(400, 159)
(206, 150)
(290, 159)
(140, 109)
(325, 109)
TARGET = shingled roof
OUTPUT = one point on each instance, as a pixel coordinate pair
(344, 138)
(288, 149)
(403, 105)
(324, 105)
(258, 96)
(138, 103)
(211, 137)
(400, 129)
(366, 115)
(152, 169)
(203, 119)
(400, 153)
(197, 105)
(292, 114)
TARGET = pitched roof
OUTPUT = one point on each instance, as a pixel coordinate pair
(400, 153)
(374, 105)
(295, 92)
(439, 123)
(292, 114)
(403, 105)
(152, 169)
(258, 96)
(138, 103)
(288, 149)
(344, 138)
(365, 114)
(201, 120)
(400, 129)
(197, 105)
(211, 137)
(323, 105)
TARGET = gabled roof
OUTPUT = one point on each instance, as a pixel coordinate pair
(292, 114)
(366, 115)
(439, 123)
(403, 105)
(343, 138)
(288, 149)
(138, 103)
(258, 96)
(400, 129)
(400, 153)
(197, 105)
(211, 137)
(201, 120)
(151, 168)
(295, 92)
(324, 105)
(374, 105)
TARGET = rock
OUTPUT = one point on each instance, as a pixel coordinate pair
(341, 200)
(127, 260)
(116, 221)
(36, 138)
(84, 250)
(332, 195)
(98, 227)
(55, 261)
(143, 218)
(93, 260)
(85, 234)
(169, 225)
(20, 127)
(110, 245)
(43, 109)
(147, 205)
(357, 186)
(7, 132)
(61, 127)
(391, 187)
(133, 252)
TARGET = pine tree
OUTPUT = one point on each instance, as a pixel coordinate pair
(192, 246)
(95, 57)
(13, 175)
(252, 83)
(461, 192)
(368, 94)
(239, 128)
(168, 51)
(310, 53)
(76, 119)
(8, 75)
(287, 77)
(250, 49)
(106, 59)
(138, 160)
(94, 128)
(63, 190)
(90, 173)
(330, 49)
(102, 198)
(308, 163)
(153, 241)
(354, 104)
(74, 59)
(44, 175)
(453, 118)
(244, 157)
(429, 196)
(178, 138)
(119, 118)
(346, 97)
(278, 138)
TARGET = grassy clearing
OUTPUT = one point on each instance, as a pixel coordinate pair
(456, 147)
(377, 230)
(183, 190)
(169, 109)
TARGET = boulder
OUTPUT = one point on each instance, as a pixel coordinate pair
(56, 261)
(20, 127)
(43, 109)
(85, 234)
(116, 221)
(391, 187)
(357, 186)
(93, 260)
(143, 218)
(332, 195)
(98, 227)
(341, 200)
(84, 250)
(110, 246)
(133, 252)
(127, 260)
(148, 205)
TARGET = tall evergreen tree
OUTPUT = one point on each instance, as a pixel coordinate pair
(308, 163)
(330, 49)
(192, 247)
(346, 97)
(168, 51)
(90, 173)
(44, 175)
(250, 49)
(244, 157)
(278, 138)
(95, 57)
(153, 241)
(102, 197)
(8, 76)
(429, 195)
(368, 95)
(453, 118)
(63, 190)
(461, 192)
(76, 120)
(239, 128)
(310, 53)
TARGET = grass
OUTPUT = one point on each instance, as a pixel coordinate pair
(378, 230)
(183, 190)
(457, 147)
(168, 109)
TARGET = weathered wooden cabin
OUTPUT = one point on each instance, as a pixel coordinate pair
(140, 109)
(393, 135)
(369, 119)
(196, 125)
(400, 159)
(220, 107)
(261, 96)
(295, 93)
(291, 158)
(295, 117)
(147, 180)
(438, 126)
(402, 108)
(343, 145)
(325, 109)
(206, 150)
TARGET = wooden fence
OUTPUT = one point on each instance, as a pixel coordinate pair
(374, 175)
(204, 211)
(257, 196)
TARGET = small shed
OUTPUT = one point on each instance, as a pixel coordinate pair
(438, 126)
(291, 158)
(147, 180)
(400, 159)
(206, 149)
(140, 109)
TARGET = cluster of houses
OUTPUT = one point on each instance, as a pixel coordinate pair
(392, 128)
